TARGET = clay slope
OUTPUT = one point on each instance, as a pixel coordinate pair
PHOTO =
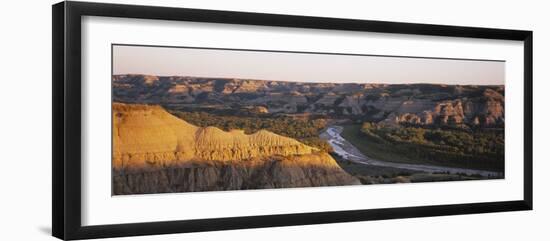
(154, 151)
(419, 104)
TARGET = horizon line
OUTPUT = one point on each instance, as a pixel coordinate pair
(306, 82)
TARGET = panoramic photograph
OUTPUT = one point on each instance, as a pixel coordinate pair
(202, 119)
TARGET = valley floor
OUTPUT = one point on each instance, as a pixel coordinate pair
(354, 154)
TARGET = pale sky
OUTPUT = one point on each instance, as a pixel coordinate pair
(303, 67)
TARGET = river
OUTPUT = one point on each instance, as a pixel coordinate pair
(347, 151)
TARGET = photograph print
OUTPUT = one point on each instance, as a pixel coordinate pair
(188, 119)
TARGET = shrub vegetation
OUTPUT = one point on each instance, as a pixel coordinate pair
(469, 148)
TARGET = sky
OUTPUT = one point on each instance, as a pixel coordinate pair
(303, 67)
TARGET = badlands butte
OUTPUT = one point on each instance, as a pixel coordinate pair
(156, 152)
(185, 134)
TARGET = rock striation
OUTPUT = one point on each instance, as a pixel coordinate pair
(154, 151)
(485, 110)
(422, 104)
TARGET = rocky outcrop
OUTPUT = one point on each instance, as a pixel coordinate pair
(422, 104)
(487, 110)
(447, 113)
(144, 135)
(154, 151)
(312, 170)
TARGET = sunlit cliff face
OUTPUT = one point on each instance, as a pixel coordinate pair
(145, 135)
(154, 151)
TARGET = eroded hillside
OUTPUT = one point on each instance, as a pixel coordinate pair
(154, 151)
(422, 104)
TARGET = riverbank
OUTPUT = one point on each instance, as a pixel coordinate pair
(383, 152)
(372, 174)
(349, 152)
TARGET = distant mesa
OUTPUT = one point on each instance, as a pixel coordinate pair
(419, 104)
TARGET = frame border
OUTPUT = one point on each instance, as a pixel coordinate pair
(300, 52)
(66, 119)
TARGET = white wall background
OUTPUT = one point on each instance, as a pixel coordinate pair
(25, 120)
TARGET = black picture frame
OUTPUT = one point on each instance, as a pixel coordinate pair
(66, 158)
